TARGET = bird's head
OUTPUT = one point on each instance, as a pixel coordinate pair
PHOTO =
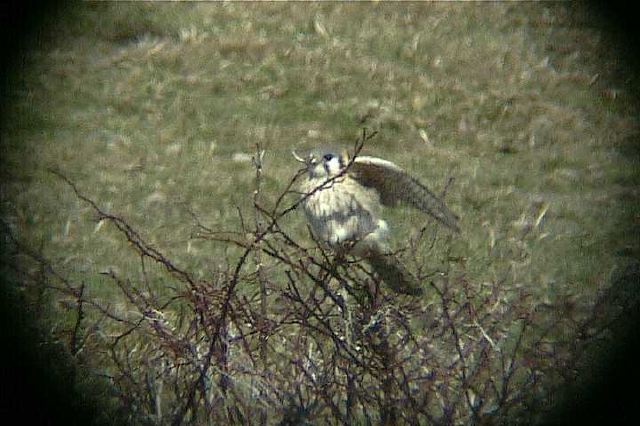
(325, 164)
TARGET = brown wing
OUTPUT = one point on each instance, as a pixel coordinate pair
(394, 185)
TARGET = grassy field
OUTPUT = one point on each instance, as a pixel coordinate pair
(154, 111)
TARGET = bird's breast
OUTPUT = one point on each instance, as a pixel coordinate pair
(340, 210)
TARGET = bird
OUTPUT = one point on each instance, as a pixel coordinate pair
(342, 198)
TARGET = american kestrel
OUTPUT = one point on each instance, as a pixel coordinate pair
(343, 198)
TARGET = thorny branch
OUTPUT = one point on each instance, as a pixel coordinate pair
(308, 335)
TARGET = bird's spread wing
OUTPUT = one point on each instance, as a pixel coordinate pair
(395, 185)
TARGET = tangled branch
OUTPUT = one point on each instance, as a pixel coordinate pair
(308, 334)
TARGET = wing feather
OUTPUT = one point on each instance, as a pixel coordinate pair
(395, 185)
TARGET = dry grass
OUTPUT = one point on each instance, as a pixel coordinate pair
(154, 112)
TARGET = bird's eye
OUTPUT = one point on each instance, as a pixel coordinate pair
(328, 157)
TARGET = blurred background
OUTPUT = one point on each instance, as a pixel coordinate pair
(154, 110)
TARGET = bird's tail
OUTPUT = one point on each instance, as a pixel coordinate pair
(394, 274)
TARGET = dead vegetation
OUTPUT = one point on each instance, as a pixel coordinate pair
(288, 333)
(168, 262)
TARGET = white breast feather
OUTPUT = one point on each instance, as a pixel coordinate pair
(344, 211)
